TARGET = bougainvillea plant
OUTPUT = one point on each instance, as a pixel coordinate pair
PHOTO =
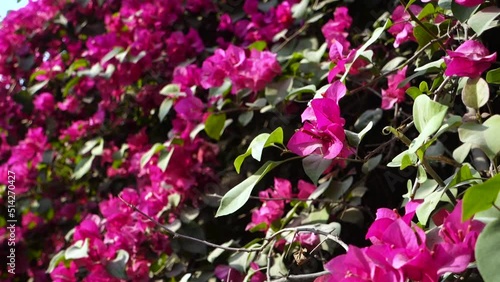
(247, 140)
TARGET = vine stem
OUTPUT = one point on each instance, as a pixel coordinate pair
(302, 277)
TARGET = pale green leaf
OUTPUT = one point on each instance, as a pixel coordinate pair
(258, 144)
(83, 167)
(165, 107)
(475, 93)
(314, 166)
(480, 197)
(486, 252)
(149, 154)
(235, 198)
(117, 266)
(481, 21)
(78, 250)
(214, 125)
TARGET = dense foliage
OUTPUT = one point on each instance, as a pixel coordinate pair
(247, 140)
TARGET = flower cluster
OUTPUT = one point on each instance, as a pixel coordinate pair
(401, 250)
(246, 69)
(323, 130)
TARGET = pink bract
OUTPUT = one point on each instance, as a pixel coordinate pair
(402, 27)
(469, 3)
(470, 59)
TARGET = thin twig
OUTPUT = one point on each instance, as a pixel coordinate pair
(302, 277)
(268, 239)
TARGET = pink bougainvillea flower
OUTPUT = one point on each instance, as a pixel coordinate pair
(402, 28)
(469, 3)
(336, 30)
(394, 94)
(363, 265)
(340, 57)
(305, 189)
(273, 206)
(470, 59)
(322, 134)
(44, 102)
(455, 242)
(227, 274)
(252, 70)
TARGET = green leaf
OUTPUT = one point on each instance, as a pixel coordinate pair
(164, 159)
(427, 10)
(35, 88)
(393, 64)
(486, 252)
(371, 164)
(354, 139)
(89, 145)
(299, 9)
(165, 107)
(97, 150)
(432, 65)
(375, 35)
(484, 136)
(475, 93)
(258, 144)
(218, 251)
(482, 20)
(117, 266)
(423, 87)
(111, 54)
(428, 113)
(368, 116)
(78, 250)
(315, 56)
(170, 89)
(493, 76)
(149, 154)
(314, 166)
(245, 118)
(480, 197)
(276, 92)
(55, 261)
(311, 89)
(423, 37)
(221, 90)
(409, 159)
(428, 117)
(462, 13)
(83, 167)
(413, 92)
(235, 198)
(258, 45)
(445, 4)
(214, 125)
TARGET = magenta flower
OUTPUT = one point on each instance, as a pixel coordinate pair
(469, 3)
(455, 243)
(394, 94)
(44, 102)
(305, 189)
(363, 265)
(402, 28)
(321, 135)
(253, 71)
(273, 207)
(335, 30)
(470, 59)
